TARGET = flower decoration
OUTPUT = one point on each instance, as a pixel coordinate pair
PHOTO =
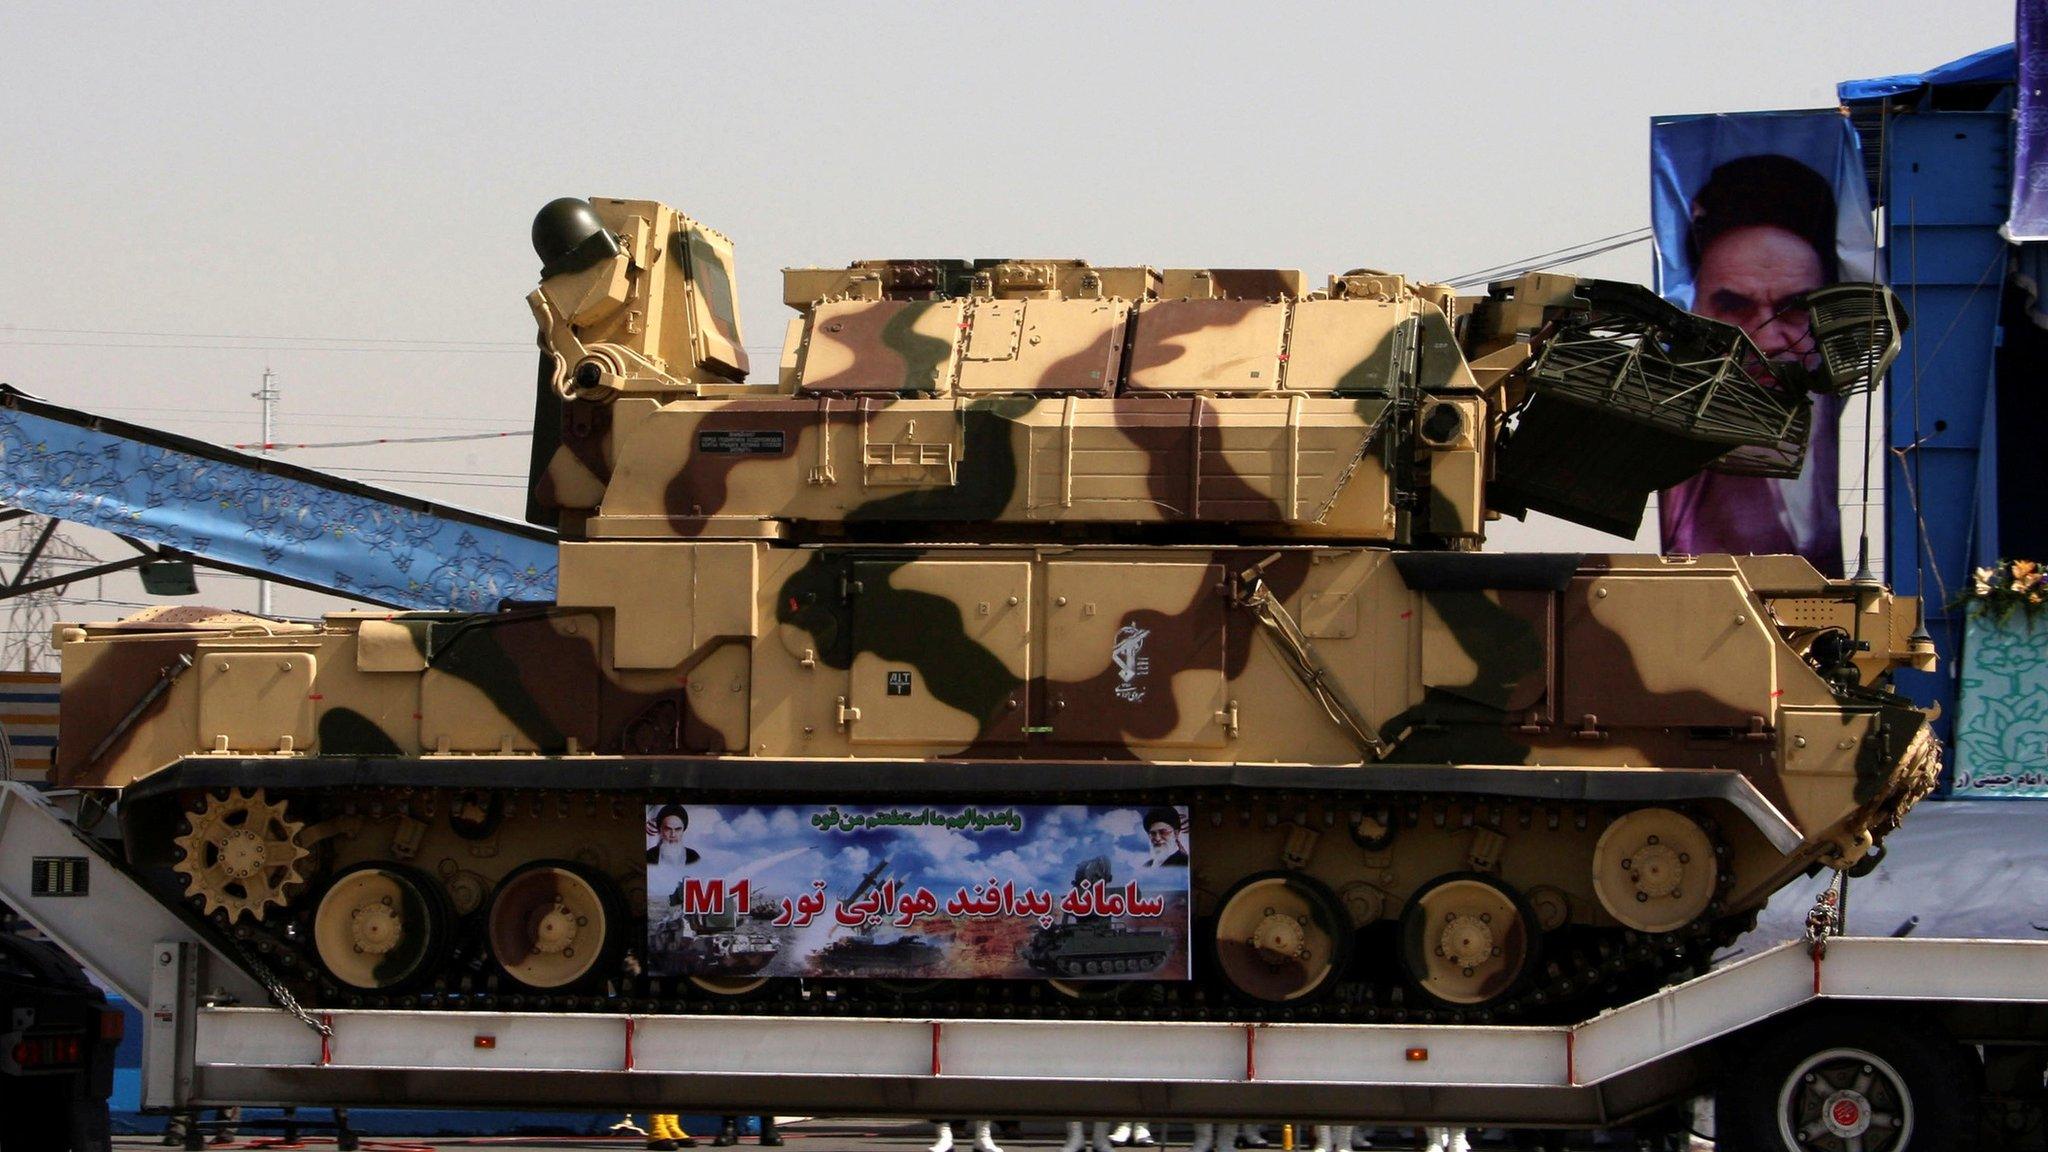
(2007, 585)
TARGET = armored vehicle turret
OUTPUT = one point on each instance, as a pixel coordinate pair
(1045, 555)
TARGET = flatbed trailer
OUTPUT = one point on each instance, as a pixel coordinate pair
(1845, 1043)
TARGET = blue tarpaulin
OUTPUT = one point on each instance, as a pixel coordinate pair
(260, 516)
(1998, 65)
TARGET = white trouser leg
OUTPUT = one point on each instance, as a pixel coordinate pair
(1076, 1137)
(945, 1141)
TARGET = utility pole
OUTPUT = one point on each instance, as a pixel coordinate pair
(267, 394)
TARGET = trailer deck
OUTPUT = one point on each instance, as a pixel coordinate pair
(213, 1037)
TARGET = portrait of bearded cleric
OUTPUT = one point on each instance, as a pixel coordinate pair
(1762, 234)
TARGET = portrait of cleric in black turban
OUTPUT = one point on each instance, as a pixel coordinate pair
(666, 828)
(1762, 233)
(1163, 826)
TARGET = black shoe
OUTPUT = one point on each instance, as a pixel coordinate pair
(770, 1135)
(686, 1141)
(728, 1135)
(661, 1146)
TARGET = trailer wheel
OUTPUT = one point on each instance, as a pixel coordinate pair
(1837, 1082)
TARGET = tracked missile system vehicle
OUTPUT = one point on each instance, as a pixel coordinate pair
(1035, 532)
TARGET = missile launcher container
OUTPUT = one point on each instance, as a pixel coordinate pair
(1040, 534)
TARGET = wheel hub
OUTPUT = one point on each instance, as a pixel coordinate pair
(1847, 1113)
(554, 931)
(375, 927)
(241, 855)
(1658, 870)
(1279, 937)
(1466, 941)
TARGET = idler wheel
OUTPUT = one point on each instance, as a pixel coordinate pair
(1655, 870)
(1467, 939)
(380, 926)
(1281, 936)
(552, 923)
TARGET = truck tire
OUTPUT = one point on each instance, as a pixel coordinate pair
(38, 1119)
(1845, 1078)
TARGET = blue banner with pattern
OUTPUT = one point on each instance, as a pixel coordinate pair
(243, 512)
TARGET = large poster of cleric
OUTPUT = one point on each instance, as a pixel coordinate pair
(918, 892)
(1751, 210)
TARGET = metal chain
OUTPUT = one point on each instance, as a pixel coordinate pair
(279, 994)
(1824, 919)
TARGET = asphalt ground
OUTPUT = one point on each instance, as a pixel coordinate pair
(826, 1135)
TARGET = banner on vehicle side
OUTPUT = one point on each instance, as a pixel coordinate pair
(918, 892)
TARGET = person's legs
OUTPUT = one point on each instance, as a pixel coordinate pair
(944, 1143)
(771, 1136)
(1077, 1137)
(983, 1142)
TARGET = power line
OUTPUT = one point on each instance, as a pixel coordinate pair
(432, 472)
(294, 414)
(1569, 254)
(254, 347)
(259, 336)
(271, 446)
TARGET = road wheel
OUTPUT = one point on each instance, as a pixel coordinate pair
(381, 927)
(1281, 937)
(1832, 1081)
(1468, 940)
(553, 924)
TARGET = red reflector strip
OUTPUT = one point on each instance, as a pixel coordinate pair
(113, 1025)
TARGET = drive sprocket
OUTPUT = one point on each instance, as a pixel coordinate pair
(241, 854)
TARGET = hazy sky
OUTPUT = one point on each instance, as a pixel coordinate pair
(286, 186)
